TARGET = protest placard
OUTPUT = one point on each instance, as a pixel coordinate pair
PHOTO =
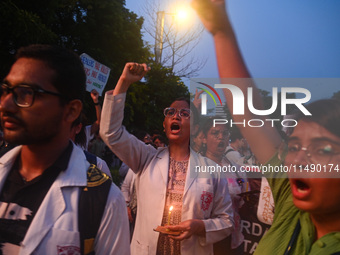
(97, 74)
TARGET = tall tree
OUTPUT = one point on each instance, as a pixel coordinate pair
(20, 27)
(105, 30)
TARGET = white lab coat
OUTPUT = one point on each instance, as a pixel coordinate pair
(151, 166)
(56, 221)
(127, 185)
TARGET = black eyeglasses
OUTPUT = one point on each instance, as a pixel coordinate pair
(170, 112)
(23, 94)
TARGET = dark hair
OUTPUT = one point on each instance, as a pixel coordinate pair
(69, 78)
(80, 138)
(160, 138)
(235, 135)
(325, 112)
(155, 132)
(140, 134)
(207, 125)
(182, 99)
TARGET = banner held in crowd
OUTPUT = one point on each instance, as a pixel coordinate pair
(97, 74)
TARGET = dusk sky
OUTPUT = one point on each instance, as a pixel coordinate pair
(279, 39)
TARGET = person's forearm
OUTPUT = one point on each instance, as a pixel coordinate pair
(229, 59)
(231, 65)
(98, 112)
(122, 86)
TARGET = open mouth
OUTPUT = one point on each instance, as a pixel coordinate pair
(175, 127)
(300, 188)
(221, 145)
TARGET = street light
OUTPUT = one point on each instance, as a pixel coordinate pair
(159, 36)
(179, 15)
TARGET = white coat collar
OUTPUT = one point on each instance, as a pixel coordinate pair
(72, 176)
(163, 163)
(163, 167)
(53, 204)
(6, 163)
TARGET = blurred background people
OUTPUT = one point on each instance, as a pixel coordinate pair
(159, 141)
(216, 140)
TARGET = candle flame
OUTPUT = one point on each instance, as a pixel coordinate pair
(170, 209)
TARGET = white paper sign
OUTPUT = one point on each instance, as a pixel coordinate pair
(97, 74)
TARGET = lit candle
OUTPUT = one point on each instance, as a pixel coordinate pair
(170, 209)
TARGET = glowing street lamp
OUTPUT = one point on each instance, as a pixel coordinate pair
(180, 15)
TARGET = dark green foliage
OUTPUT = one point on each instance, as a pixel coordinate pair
(105, 30)
(146, 101)
(19, 27)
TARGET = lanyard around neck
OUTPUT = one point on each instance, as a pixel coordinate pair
(293, 238)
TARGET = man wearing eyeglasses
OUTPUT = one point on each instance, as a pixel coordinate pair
(41, 180)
